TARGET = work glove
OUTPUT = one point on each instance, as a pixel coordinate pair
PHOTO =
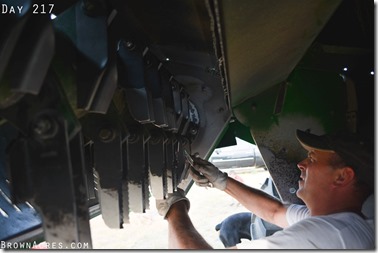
(163, 205)
(205, 174)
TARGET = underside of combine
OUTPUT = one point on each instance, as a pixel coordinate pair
(99, 99)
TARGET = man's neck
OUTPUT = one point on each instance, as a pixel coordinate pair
(337, 204)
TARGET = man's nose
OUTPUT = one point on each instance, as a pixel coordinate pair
(301, 165)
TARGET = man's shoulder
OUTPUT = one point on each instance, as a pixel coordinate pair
(295, 213)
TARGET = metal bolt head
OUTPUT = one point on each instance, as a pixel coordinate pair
(133, 137)
(45, 128)
(129, 45)
(193, 131)
(106, 134)
(41, 126)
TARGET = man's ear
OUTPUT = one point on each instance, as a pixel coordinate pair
(344, 176)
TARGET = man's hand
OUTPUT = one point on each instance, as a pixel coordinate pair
(163, 205)
(205, 174)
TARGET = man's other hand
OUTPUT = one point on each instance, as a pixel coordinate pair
(163, 205)
(205, 174)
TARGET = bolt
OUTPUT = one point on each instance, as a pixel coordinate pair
(45, 128)
(129, 45)
(133, 137)
(193, 131)
(42, 126)
(106, 134)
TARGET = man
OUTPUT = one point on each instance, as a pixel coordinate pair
(336, 178)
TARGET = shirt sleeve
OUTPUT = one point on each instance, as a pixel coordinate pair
(292, 238)
(311, 233)
(295, 213)
(285, 239)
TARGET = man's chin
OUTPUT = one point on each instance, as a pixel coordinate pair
(299, 193)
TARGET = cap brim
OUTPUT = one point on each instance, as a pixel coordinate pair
(313, 142)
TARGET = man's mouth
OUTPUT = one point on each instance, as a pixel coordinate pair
(300, 181)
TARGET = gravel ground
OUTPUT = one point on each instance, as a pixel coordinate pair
(150, 231)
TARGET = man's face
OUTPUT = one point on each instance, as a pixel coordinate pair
(317, 176)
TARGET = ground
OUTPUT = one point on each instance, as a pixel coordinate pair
(150, 231)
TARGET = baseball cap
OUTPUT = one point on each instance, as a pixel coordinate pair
(356, 151)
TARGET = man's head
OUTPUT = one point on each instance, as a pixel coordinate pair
(335, 161)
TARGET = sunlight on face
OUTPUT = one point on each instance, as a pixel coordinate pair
(316, 175)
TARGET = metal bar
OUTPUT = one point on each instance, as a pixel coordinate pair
(54, 192)
(124, 185)
(81, 197)
(169, 163)
(157, 164)
(136, 169)
(108, 164)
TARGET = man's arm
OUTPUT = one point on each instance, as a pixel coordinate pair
(258, 202)
(181, 232)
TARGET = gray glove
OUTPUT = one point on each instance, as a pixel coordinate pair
(163, 205)
(205, 174)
